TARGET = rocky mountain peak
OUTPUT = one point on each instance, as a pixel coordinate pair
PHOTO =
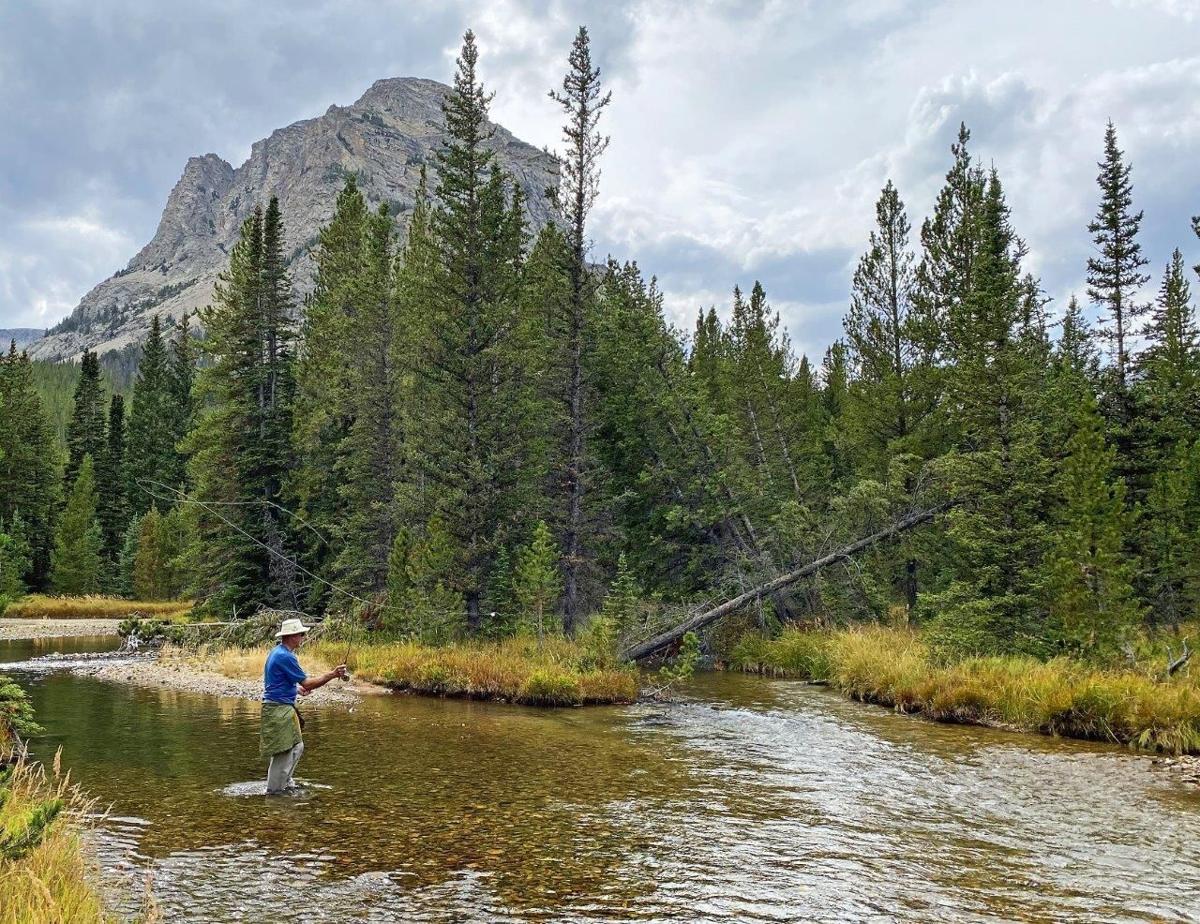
(383, 139)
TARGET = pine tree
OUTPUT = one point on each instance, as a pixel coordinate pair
(29, 462)
(1089, 594)
(182, 374)
(241, 451)
(1000, 470)
(111, 481)
(883, 346)
(323, 412)
(890, 394)
(371, 455)
(1170, 576)
(537, 581)
(950, 241)
(622, 604)
(77, 561)
(1170, 364)
(583, 102)
(466, 442)
(15, 560)
(152, 466)
(1114, 274)
(85, 432)
(157, 571)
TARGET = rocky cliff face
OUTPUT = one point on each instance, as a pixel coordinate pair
(383, 139)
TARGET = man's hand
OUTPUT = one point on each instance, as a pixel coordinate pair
(341, 673)
(302, 691)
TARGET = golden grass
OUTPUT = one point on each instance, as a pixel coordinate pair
(555, 673)
(44, 606)
(55, 881)
(894, 667)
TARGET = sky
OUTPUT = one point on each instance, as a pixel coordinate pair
(750, 138)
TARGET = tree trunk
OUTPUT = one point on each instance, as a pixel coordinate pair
(706, 617)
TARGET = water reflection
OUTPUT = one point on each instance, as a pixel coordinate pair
(759, 801)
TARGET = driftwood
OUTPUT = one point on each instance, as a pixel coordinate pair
(700, 620)
(1177, 663)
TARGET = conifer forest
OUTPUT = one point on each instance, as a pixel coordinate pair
(467, 422)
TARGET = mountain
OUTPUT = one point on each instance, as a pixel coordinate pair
(383, 139)
(23, 335)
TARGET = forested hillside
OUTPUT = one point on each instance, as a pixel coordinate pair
(476, 431)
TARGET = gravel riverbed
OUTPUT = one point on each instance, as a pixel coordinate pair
(56, 628)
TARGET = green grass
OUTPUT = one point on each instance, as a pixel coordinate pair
(895, 668)
(44, 606)
(556, 673)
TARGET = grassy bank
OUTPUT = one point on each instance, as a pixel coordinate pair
(43, 606)
(556, 673)
(895, 667)
(45, 873)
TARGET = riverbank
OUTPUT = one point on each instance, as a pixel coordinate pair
(555, 673)
(192, 672)
(44, 606)
(46, 872)
(895, 668)
(18, 629)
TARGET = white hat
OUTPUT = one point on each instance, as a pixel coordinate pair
(291, 627)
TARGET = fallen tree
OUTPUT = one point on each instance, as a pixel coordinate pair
(704, 618)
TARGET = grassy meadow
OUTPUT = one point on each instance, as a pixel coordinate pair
(557, 672)
(1136, 706)
(45, 606)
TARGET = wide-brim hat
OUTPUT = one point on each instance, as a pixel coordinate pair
(291, 627)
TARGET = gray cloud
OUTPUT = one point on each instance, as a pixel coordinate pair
(750, 137)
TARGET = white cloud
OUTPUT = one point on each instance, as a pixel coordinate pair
(750, 138)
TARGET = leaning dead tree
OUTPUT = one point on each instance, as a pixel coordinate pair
(707, 617)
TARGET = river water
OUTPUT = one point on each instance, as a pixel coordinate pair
(753, 800)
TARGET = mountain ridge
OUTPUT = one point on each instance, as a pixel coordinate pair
(384, 139)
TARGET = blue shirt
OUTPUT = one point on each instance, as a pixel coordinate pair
(280, 676)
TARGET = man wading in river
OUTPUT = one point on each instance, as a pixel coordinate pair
(281, 739)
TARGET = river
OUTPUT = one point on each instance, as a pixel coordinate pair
(752, 800)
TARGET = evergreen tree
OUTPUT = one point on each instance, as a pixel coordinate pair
(1090, 598)
(326, 356)
(157, 571)
(85, 432)
(77, 561)
(111, 482)
(950, 241)
(370, 460)
(1114, 274)
(152, 465)
(420, 602)
(1000, 470)
(1170, 364)
(621, 605)
(890, 395)
(466, 442)
(583, 102)
(29, 462)
(882, 342)
(1170, 538)
(182, 374)
(536, 581)
(15, 561)
(241, 451)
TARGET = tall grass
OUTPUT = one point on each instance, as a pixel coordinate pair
(895, 668)
(43, 606)
(517, 670)
(55, 880)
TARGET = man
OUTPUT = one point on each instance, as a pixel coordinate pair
(281, 739)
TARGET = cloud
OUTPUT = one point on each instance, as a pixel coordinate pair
(750, 138)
